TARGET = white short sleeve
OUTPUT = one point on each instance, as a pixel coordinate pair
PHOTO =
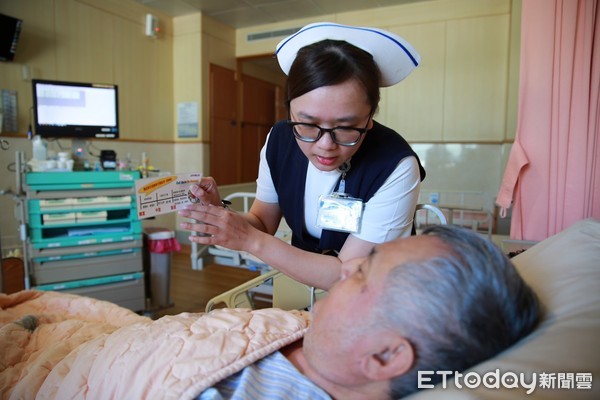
(265, 190)
(389, 213)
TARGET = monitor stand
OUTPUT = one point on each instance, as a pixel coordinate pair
(80, 154)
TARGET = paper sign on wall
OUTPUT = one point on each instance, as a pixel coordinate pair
(187, 120)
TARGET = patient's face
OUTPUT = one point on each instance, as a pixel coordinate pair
(343, 323)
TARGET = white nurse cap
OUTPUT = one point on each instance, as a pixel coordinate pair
(394, 56)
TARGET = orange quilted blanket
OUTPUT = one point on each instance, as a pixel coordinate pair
(62, 346)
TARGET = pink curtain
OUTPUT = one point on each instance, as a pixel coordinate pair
(552, 178)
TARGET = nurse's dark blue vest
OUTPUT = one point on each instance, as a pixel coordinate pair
(378, 156)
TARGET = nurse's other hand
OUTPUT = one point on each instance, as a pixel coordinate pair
(217, 226)
(206, 191)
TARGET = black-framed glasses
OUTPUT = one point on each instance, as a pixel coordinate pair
(342, 135)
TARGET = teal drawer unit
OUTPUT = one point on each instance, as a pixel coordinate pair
(80, 180)
(126, 290)
(84, 235)
(83, 250)
(103, 263)
(72, 233)
(81, 208)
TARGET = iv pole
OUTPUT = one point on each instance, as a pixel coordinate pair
(20, 211)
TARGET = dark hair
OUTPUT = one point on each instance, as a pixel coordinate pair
(330, 62)
(458, 309)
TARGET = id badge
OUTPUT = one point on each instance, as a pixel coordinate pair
(339, 213)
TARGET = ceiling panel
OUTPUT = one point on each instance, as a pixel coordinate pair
(245, 13)
(291, 9)
(216, 6)
(246, 18)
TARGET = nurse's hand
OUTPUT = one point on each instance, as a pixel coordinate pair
(218, 226)
(206, 191)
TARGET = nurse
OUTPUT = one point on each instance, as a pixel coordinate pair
(342, 181)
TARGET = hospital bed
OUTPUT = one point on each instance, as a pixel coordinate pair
(59, 345)
(472, 209)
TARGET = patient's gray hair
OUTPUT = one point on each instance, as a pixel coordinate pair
(457, 309)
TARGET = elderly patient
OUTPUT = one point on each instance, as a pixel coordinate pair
(442, 301)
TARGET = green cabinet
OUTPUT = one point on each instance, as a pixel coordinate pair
(83, 235)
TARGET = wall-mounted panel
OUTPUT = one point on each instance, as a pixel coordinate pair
(475, 89)
(84, 43)
(145, 87)
(414, 107)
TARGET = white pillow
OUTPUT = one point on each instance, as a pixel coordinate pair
(564, 270)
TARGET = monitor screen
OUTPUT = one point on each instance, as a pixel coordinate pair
(10, 29)
(75, 110)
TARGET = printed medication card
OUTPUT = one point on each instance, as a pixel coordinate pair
(164, 194)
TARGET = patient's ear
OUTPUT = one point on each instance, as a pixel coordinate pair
(393, 357)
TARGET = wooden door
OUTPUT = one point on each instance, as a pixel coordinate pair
(236, 140)
(253, 139)
(224, 136)
(258, 116)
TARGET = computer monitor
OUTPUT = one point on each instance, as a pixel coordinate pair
(75, 110)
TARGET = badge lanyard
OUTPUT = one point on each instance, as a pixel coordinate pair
(339, 211)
